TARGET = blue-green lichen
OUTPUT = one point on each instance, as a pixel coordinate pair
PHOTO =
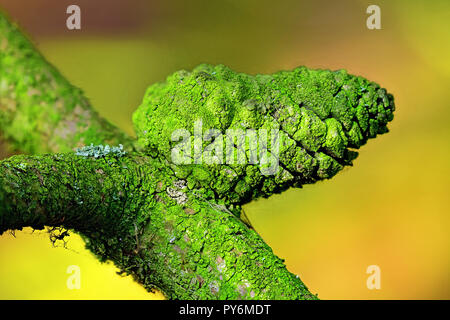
(100, 151)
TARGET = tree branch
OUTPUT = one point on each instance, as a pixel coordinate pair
(40, 111)
(132, 210)
(173, 227)
(312, 122)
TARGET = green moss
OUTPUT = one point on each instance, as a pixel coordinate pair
(320, 115)
(311, 131)
(335, 141)
(171, 226)
(40, 111)
(122, 207)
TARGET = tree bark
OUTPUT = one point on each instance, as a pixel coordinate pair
(40, 111)
(186, 246)
(130, 209)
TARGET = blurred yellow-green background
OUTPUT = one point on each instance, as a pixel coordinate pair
(391, 209)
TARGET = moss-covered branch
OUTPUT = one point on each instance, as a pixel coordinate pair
(173, 226)
(133, 211)
(311, 120)
(40, 111)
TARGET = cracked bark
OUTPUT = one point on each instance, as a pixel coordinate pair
(120, 205)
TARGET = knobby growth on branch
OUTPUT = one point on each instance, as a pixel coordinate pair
(175, 226)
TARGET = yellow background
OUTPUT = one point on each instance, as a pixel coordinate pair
(391, 209)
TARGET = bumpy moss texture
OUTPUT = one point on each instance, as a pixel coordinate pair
(174, 226)
(123, 207)
(321, 117)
